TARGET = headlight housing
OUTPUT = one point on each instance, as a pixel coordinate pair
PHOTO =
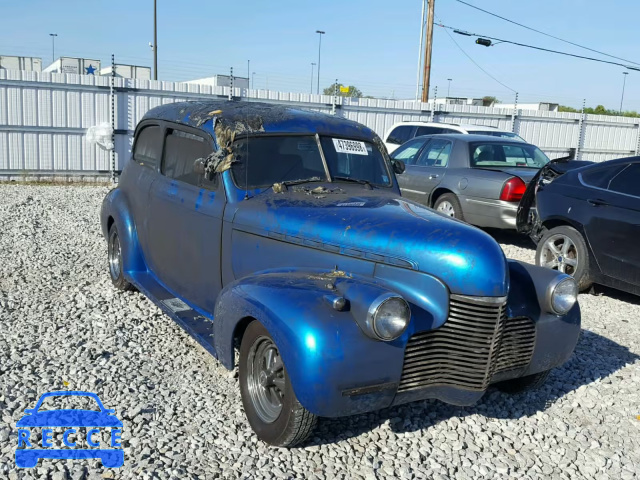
(563, 295)
(389, 316)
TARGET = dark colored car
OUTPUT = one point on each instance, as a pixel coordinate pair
(585, 219)
(476, 178)
(283, 231)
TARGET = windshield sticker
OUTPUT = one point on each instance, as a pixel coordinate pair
(349, 146)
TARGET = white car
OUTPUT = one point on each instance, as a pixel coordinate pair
(403, 131)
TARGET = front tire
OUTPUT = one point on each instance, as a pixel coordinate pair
(448, 204)
(564, 249)
(271, 406)
(114, 253)
(522, 384)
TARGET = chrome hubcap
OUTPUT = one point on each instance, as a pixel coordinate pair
(446, 208)
(114, 255)
(266, 379)
(560, 253)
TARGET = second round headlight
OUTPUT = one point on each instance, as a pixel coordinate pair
(389, 317)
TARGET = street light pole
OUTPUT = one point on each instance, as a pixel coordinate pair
(624, 81)
(155, 41)
(312, 65)
(253, 80)
(320, 33)
(53, 46)
(449, 87)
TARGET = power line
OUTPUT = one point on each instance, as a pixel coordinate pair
(547, 34)
(469, 34)
(474, 62)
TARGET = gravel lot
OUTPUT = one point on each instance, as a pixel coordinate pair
(63, 326)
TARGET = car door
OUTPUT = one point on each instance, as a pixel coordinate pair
(185, 221)
(429, 169)
(614, 222)
(409, 153)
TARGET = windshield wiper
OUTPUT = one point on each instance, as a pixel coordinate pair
(354, 180)
(280, 187)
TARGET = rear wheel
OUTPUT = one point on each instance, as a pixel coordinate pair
(271, 406)
(522, 384)
(564, 249)
(115, 260)
(449, 205)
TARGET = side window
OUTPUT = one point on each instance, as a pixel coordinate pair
(181, 150)
(600, 177)
(627, 181)
(409, 151)
(436, 154)
(400, 134)
(430, 131)
(148, 146)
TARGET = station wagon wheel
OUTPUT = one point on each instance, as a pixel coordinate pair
(564, 249)
(271, 405)
(449, 205)
(114, 253)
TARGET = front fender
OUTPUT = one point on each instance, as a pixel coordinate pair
(116, 206)
(324, 350)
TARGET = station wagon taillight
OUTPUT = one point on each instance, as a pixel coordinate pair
(513, 190)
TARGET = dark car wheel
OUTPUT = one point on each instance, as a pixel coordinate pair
(522, 384)
(115, 260)
(564, 249)
(271, 406)
(449, 205)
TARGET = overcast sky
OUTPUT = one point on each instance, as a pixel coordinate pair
(368, 43)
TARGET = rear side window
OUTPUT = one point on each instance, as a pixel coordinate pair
(148, 147)
(601, 177)
(401, 134)
(181, 150)
(627, 181)
(436, 154)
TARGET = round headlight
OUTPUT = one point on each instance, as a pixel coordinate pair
(389, 317)
(564, 296)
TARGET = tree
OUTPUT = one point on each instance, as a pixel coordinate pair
(488, 100)
(599, 110)
(343, 91)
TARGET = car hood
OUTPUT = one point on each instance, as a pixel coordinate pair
(69, 418)
(384, 228)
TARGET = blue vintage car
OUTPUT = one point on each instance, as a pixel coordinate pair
(282, 233)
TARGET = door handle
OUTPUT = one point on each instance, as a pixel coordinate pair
(597, 202)
(432, 176)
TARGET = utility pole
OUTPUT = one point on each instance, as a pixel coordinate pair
(155, 41)
(427, 51)
(449, 87)
(248, 70)
(424, 7)
(312, 65)
(624, 81)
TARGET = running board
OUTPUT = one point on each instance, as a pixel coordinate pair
(197, 325)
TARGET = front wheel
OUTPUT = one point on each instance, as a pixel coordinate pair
(449, 205)
(115, 260)
(564, 249)
(271, 406)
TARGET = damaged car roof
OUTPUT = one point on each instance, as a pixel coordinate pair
(257, 117)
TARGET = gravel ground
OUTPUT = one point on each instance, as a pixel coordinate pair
(63, 326)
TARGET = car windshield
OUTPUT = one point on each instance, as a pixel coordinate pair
(294, 158)
(495, 133)
(492, 155)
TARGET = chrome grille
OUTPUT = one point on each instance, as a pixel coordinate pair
(516, 346)
(461, 353)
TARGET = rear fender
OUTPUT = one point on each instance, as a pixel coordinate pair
(115, 205)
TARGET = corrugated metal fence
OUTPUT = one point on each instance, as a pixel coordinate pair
(44, 117)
